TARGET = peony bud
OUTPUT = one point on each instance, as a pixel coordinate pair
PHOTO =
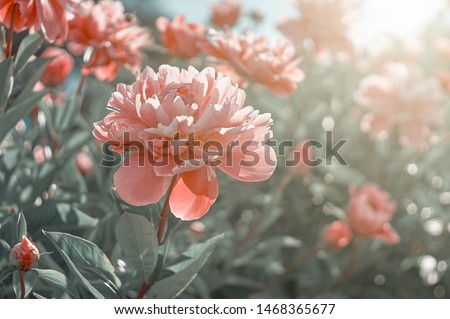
(24, 254)
(59, 68)
(84, 163)
(338, 235)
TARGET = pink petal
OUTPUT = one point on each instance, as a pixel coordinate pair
(388, 235)
(194, 193)
(251, 165)
(136, 182)
(52, 19)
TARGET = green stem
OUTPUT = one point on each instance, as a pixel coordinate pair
(162, 224)
(22, 284)
(165, 211)
(348, 269)
(9, 43)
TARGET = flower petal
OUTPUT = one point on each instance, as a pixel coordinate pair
(136, 182)
(388, 235)
(194, 193)
(249, 164)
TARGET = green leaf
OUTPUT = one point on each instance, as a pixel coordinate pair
(38, 296)
(6, 273)
(17, 111)
(27, 48)
(138, 240)
(30, 278)
(85, 255)
(184, 270)
(83, 281)
(26, 80)
(6, 82)
(58, 279)
(73, 145)
(21, 229)
(66, 114)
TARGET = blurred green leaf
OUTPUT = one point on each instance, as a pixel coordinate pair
(65, 114)
(58, 279)
(184, 270)
(72, 146)
(6, 273)
(30, 278)
(38, 296)
(21, 229)
(6, 82)
(25, 81)
(17, 111)
(137, 238)
(27, 48)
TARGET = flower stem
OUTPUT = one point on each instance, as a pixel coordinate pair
(143, 290)
(22, 284)
(165, 211)
(80, 85)
(9, 41)
(348, 269)
(162, 224)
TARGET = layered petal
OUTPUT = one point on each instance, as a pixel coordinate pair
(194, 193)
(137, 183)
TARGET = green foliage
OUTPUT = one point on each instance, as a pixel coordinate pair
(178, 275)
(137, 238)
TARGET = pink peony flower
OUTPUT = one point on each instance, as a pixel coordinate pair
(257, 60)
(48, 16)
(180, 38)
(59, 68)
(225, 13)
(84, 163)
(23, 255)
(108, 37)
(369, 213)
(400, 98)
(228, 70)
(337, 235)
(184, 123)
(323, 22)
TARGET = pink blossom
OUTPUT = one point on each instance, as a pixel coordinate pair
(84, 163)
(108, 37)
(59, 68)
(323, 22)
(168, 119)
(337, 235)
(228, 70)
(258, 60)
(369, 213)
(23, 255)
(400, 98)
(225, 13)
(48, 16)
(180, 38)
